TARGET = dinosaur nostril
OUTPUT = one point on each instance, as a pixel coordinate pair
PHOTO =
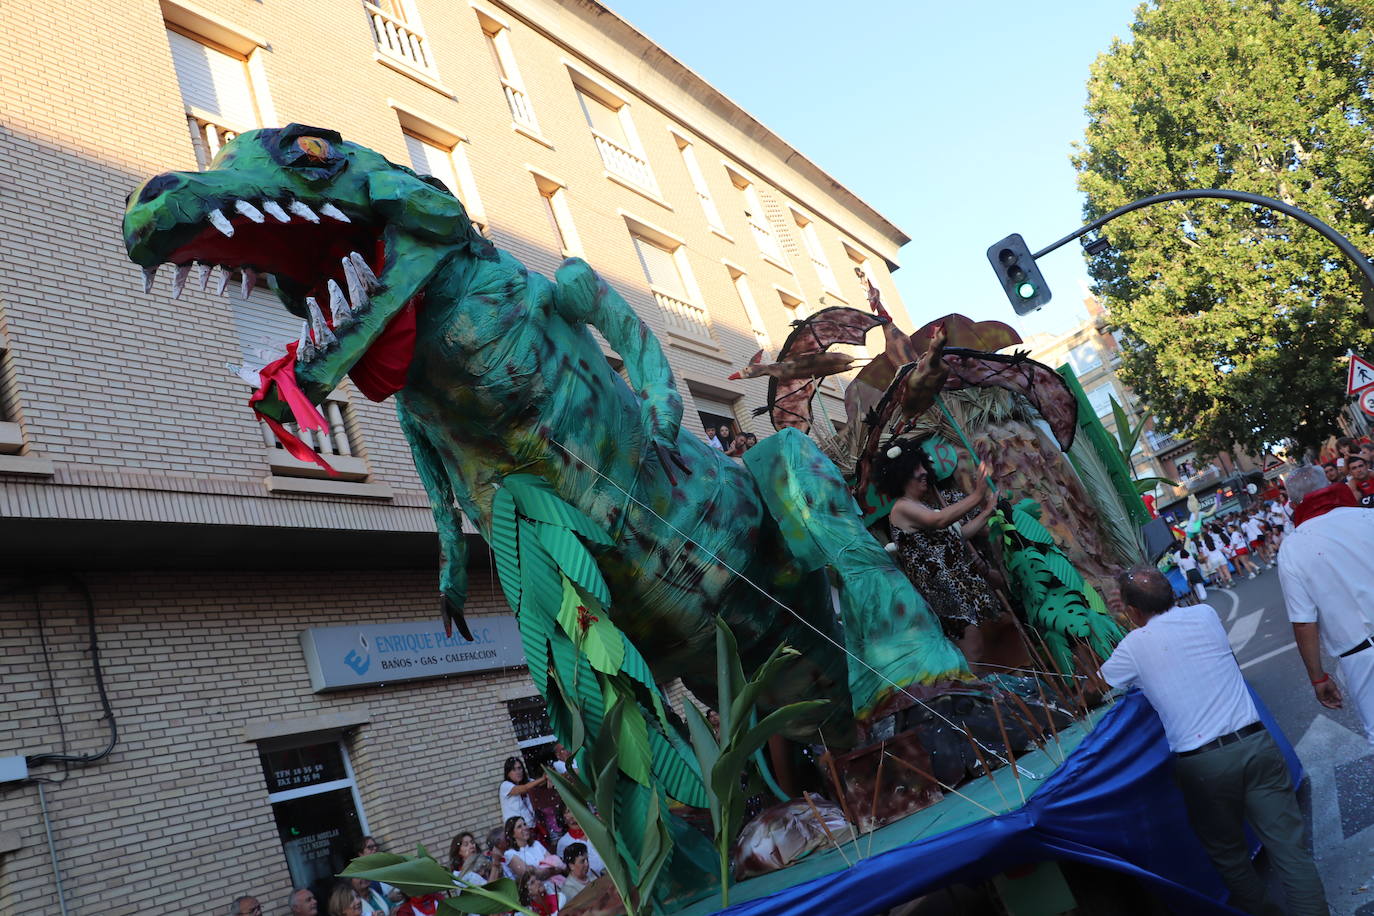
(156, 186)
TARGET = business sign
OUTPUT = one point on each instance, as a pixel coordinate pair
(379, 653)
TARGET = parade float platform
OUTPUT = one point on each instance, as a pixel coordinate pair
(1111, 803)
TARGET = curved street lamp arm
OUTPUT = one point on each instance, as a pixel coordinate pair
(1347, 248)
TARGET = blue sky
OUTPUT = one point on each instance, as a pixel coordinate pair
(955, 121)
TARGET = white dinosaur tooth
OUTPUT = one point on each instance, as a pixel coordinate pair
(221, 222)
(205, 271)
(272, 282)
(222, 284)
(303, 211)
(338, 307)
(247, 280)
(334, 212)
(251, 376)
(357, 290)
(149, 275)
(365, 271)
(179, 280)
(305, 347)
(318, 326)
(275, 211)
(248, 210)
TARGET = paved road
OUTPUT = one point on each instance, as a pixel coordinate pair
(1339, 761)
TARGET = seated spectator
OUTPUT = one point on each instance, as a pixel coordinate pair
(536, 896)
(245, 906)
(427, 905)
(526, 854)
(302, 903)
(374, 901)
(562, 760)
(575, 836)
(579, 871)
(470, 865)
(370, 846)
(344, 901)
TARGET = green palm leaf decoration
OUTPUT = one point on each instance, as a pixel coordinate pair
(1060, 605)
(579, 659)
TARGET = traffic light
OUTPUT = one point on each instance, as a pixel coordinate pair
(1020, 278)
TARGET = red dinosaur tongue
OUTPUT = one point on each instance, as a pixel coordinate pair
(381, 371)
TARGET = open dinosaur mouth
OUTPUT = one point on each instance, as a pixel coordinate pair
(324, 264)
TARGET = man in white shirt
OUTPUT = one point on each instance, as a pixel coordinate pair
(1326, 569)
(1226, 764)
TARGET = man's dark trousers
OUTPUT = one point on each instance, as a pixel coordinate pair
(1247, 782)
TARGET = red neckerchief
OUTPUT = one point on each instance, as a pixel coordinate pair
(577, 833)
(428, 905)
(1320, 502)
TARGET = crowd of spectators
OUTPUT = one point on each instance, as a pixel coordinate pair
(519, 849)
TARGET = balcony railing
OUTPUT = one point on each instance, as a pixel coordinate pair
(520, 110)
(685, 317)
(333, 444)
(622, 162)
(395, 38)
(1202, 479)
(208, 137)
(1161, 441)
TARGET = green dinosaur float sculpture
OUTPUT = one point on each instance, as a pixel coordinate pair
(612, 527)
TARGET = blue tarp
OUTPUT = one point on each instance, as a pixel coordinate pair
(1112, 804)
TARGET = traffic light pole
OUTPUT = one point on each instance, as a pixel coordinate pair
(1361, 262)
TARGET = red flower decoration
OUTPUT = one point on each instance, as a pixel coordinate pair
(585, 618)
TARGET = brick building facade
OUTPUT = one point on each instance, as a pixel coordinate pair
(131, 470)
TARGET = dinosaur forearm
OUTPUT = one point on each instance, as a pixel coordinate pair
(580, 295)
(453, 571)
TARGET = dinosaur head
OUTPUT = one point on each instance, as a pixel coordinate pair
(347, 238)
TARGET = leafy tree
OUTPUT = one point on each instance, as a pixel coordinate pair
(1236, 318)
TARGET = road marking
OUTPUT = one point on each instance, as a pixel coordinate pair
(1235, 603)
(1343, 862)
(1245, 629)
(1268, 655)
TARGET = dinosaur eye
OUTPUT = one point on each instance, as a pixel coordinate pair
(315, 148)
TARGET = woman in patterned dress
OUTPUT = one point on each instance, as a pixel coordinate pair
(930, 530)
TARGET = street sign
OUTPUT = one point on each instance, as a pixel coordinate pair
(1367, 402)
(1361, 375)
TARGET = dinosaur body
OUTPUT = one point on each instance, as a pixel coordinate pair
(495, 372)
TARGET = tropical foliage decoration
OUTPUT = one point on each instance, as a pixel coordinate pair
(580, 661)
(1061, 607)
(420, 874)
(1127, 437)
(725, 756)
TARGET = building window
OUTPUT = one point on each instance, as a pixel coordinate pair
(217, 90)
(1100, 399)
(555, 197)
(754, 215)
(717, 419)
(664, 262)
(751, 308)
(1084, 358)
(264, 329)
(497, 38)
(708, 203)
(858, 262)
(318, 812)
(449, 164)
(397, 33)
(608, 116)
(816, 253)
(795, 305)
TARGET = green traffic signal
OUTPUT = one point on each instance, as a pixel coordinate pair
(1026, 290)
